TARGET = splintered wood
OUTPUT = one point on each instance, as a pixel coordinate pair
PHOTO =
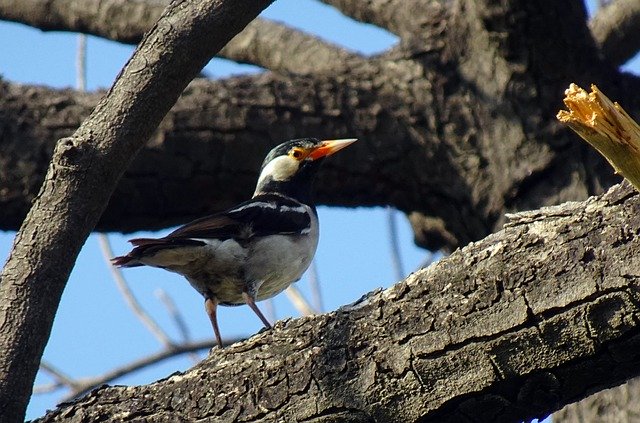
(607, 127)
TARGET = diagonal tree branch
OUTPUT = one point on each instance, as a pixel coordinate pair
(83, 173)
(510, 328)
(83, 386)
(616, 30)
(130, 300)
(263, 43)
(280, 48)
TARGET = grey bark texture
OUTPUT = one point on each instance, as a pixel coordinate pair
(457, 129)
(535, 316)
(83, 173)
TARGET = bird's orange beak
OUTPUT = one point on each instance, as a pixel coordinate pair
(328, 147)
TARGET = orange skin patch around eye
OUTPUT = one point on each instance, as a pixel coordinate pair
(299, 153)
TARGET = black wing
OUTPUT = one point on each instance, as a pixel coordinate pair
(263, 215)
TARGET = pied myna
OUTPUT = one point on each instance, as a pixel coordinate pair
(255, 250)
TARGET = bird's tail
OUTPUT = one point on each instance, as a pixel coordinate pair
(131, 259)
(146, 247)
(126, 261)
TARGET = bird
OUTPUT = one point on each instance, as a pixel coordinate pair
(252, 251)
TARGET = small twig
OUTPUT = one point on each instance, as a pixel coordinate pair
(396, 257)
(175, 314)
(129, 298)
(47, 388)
(60, 377)
(314, 285)
(270, 309)
(139, 364)
(81, 63)
(177, 318)
(428, 260)
(298, 301)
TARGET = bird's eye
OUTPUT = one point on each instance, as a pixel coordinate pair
(296, 153)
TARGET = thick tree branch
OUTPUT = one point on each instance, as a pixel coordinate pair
(280, 48)
(123, 21)
(83, 173)
(456, 129)
(401, 17)
(616, 30)
(263, 43)
(512, 327)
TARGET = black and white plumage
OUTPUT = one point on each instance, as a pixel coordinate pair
(256, 249)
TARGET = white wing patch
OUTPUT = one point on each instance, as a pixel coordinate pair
(272, 206)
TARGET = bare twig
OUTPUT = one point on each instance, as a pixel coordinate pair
(60, 377)
(129, 298)
(396, 258)
(175, 314)
(81, 63)
(177, 318)
(270, 309)
(47, 388)
(299, 302)
(139, 364)
(428, 260)
(314, 284)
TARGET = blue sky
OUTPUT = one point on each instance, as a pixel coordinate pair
(94, 331)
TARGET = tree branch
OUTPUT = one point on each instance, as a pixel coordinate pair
(83, 386)
(130, 300)
(507, 329)
(455, 126)
(616, 30)
(83, 173)
(280, 48)
(123, 21)
(263, 43)
(402, 17)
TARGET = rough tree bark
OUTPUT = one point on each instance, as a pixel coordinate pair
(84, 172)
(457, 120)
(509, 328)
(457, 123)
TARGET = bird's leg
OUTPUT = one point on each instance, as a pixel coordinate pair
(211, 304)
(251, 302)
